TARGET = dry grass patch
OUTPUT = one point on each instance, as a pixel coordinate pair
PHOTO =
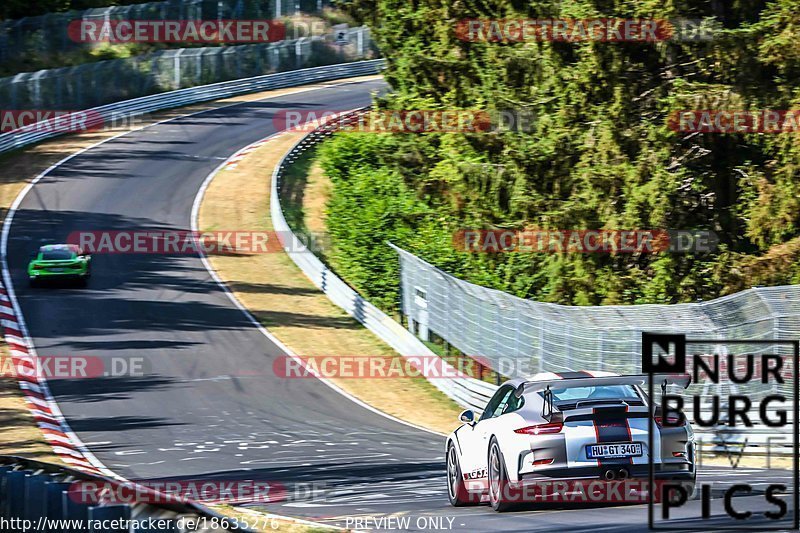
(748, 460)
(294, 310)
(318, 190)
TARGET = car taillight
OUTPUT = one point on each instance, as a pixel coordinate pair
(38, 267)
(671, 420)
(541, 429)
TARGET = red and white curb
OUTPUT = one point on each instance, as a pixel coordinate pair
(36, 395)
(234, 160)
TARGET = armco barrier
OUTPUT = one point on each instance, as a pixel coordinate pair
(84, 86)
(39, 492)
(147, 104)
(468, 392)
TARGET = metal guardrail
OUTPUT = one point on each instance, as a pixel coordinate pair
(113, 113)
(47, 495)
(87, 85)
(465, 391)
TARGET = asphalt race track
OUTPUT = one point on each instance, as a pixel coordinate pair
(210, 406)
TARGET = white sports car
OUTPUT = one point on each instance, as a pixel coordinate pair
(570, 426)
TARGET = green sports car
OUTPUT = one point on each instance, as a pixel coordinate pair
(60, 262)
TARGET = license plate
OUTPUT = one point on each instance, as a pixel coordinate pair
(56, 269)
(610, 451)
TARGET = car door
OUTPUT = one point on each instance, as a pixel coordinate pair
(474, 439)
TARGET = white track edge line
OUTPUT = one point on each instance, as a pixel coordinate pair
(195, 215)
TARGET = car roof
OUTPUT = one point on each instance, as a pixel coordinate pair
(53, 247)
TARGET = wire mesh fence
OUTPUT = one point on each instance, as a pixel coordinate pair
(47, 34)
(518, 337)
(95, 84)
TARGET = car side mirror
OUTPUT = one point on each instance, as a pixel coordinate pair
(467, 417)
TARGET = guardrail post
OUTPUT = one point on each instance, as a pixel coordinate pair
(54, 494)
(198, 67)
(13, 496)
(35, 498)
(37, 88)
(177, 68)
(73, 510)
(4, 471)
(298, 52)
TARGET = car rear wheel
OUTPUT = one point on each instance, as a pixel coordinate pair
(501, 497)
(456, 489)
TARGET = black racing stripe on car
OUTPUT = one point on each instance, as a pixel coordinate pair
(611, 425)
(571, 375)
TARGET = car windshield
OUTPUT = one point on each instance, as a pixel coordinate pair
(603, 392)
(56, 254)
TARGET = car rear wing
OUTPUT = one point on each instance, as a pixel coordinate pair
(545, 386)
(682, 380)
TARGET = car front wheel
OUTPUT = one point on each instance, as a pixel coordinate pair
(456, 489)
(501, 496)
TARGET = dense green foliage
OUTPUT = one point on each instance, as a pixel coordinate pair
(600, 154)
